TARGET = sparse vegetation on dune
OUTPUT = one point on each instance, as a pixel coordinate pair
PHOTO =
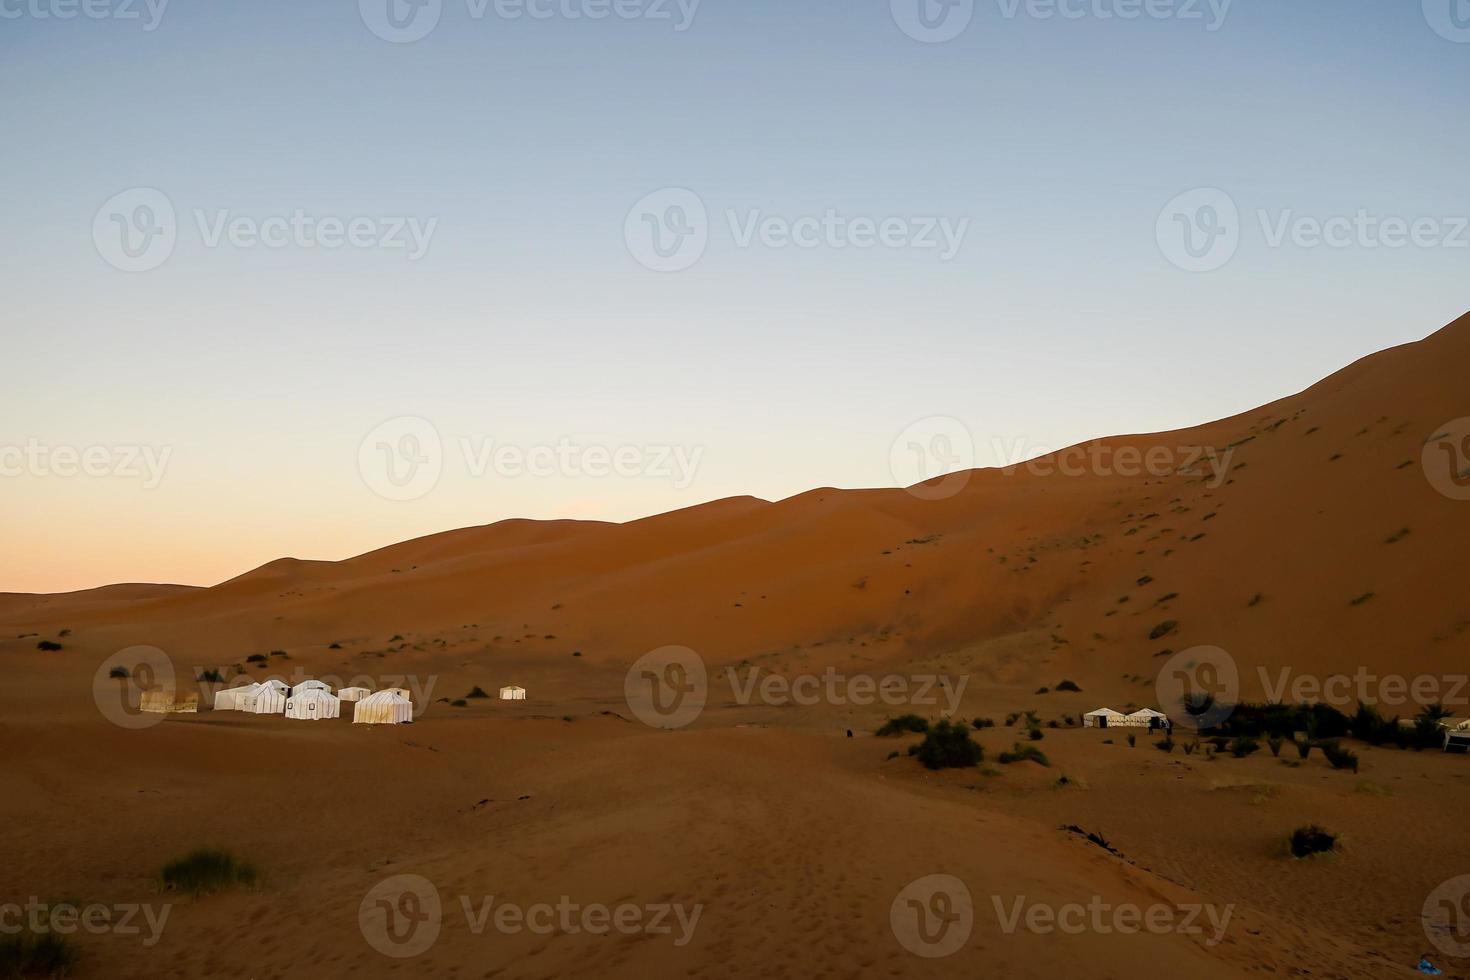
(1311, 839)
(207, 870)
(25, 955)
(949, 746)
(903, 725)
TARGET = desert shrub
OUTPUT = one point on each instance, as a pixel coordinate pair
(1274, 742)
(982, 723)
(1369, 725)
(1053, 724)
(459, 703)
(1165, 744)
(901, 725)
(211, 676)
(1022, 753)
(1043, 690)
(118, 672)
(576, 653)
(205, 870)
(335, 646)
(1311, 839)
(256, 658)
(1163, 629)
(477, 692)
(1243, 745)
(48, 646)
(1132, 740)
(1339, 757)
(1035, 734)
(1191, 747)
(891, 755)
(280, 653)
(36, 955)
(1068, 686)
(1011, 718)
(1303, 747)
(948, 746)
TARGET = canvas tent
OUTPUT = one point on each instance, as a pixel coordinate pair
(275, 683)
(264, 700)
(383, 708)
(1103, 718)
(352, 693)
(228, 699)
(1146, 718)
(311, 686)
(513, 693)
(164, 701)
(313, 704)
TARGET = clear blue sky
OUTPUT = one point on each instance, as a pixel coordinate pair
(529, 320)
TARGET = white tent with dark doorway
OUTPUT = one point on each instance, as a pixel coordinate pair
(352, 693)
(229, 698)
(1103, 718)
(1147, 718)
(313, 704)
(383, 708)
(265, 699)
(514, 692)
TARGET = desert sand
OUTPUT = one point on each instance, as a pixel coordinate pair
(1285, 545)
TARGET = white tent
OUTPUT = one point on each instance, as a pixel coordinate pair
(402, 692)
(513, 693)
(264, 700)
(383, 708)
(312, 686)
(1146, 718)
(352, 693)
(276, 683)
(1103, 718)
(228, 699)
(313, 704)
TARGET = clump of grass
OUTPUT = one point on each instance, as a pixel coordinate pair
(1274, 742)
(1035, 734)
(1024, 753)
(983, 723)
(1339, 757)
(459, 703)
(1163, 629)
(892, 755)
(902, 725)
(256, 658)
(118, 672)
(1068, 686)
(335, 646)
(1191, 747)
(478, 692)
(948, 746)
(1011, 718)
(1043, 690)
(1243, 745)
(1165, 744)
(1068, 782)
(1311, 839)
(1132, 740)
(211, 676)
(206, 870)
(1303, 747)
(37, 955)
(1358, 601)
(280, 653)
(48, 646)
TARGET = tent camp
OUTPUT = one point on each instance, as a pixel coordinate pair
(228, 699)
(311, 686)
(383, 708)
(513, 693)
(1103, 718)
(313, 704)
(1146, 718)
(275, 683)
(352, 693)
(266, 699)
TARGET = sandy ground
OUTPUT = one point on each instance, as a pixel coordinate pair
(793, 842)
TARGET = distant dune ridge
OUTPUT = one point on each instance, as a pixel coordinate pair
(1013, 563)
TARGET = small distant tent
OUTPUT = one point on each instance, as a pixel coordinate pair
(1147, 718)
(513, 693)
(1103, 718)
(383, 708)
(266, 699)
(164, 701)
(313, 704)
(229, 698)
(311, 686)
(352, 693)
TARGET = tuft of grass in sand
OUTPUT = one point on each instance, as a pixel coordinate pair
(206, 870)
(37, 955)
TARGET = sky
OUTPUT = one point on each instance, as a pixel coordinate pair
(309, 279)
